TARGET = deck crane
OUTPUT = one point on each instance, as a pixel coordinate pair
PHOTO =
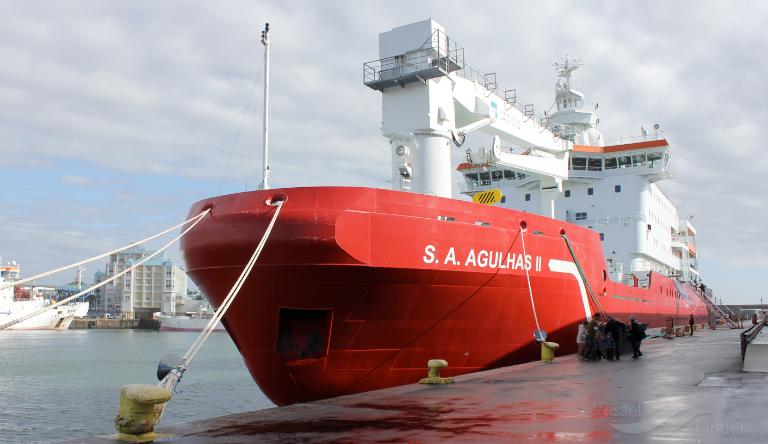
(431, 99)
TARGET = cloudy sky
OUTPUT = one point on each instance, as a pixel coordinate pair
(116, 116)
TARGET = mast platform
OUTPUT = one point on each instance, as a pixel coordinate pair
(688, 389)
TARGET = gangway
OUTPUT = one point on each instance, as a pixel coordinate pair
(711, 307)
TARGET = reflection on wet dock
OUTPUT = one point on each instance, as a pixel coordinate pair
(687, 389)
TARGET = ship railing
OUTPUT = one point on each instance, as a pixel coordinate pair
(508, 95)
(621, 140)
(605, 220)
(684, 240)
(628, 280)
(438, 56)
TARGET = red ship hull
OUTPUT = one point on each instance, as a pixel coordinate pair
(357, 288)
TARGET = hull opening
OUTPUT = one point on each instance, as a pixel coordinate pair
(303, 334)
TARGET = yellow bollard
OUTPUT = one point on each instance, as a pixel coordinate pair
(137, 417)
(433, 374)
(548, 351)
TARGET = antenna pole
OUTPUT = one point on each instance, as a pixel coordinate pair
(265, 42)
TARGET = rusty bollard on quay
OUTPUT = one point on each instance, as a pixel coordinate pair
(140, 410)
(433, 374)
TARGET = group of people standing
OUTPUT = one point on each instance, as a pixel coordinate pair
(598, 339)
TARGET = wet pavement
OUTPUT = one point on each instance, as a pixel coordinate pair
(682, 390)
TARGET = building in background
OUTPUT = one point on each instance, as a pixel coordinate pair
(98, 304)
(156, 285)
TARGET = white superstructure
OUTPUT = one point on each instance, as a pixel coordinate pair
(11, 308)
(431, 99)
(557, 165)
(611, 188)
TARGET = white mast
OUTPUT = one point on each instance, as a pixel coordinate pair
(265, 42)
(80, 278)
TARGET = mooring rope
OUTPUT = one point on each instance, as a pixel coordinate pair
(530, 289)
(174, 376)
(106, 281)
(117, 250)
(598, 306)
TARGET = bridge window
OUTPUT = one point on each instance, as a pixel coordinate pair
(485, 178)
(654, 157)
(611, 163)
(473, 177)
(625, 161)
(638, 159)
(509, 174)
(580, 163)
(595, 164)
(497, 175)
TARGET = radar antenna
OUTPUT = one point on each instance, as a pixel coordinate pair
(566, 66)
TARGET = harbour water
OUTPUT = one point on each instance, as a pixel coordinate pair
(58, 385)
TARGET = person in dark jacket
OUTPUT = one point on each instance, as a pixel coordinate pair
(691, 321)
(592, 351)
(636, 334)
(615, 328)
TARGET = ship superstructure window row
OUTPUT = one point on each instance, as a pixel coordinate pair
(601, 163)
(569, 103)
(485, 178)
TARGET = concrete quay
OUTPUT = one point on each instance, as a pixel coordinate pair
(688, 389)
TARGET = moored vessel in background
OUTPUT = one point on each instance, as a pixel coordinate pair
(358, 287)
(14, 303)
(189, 321)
